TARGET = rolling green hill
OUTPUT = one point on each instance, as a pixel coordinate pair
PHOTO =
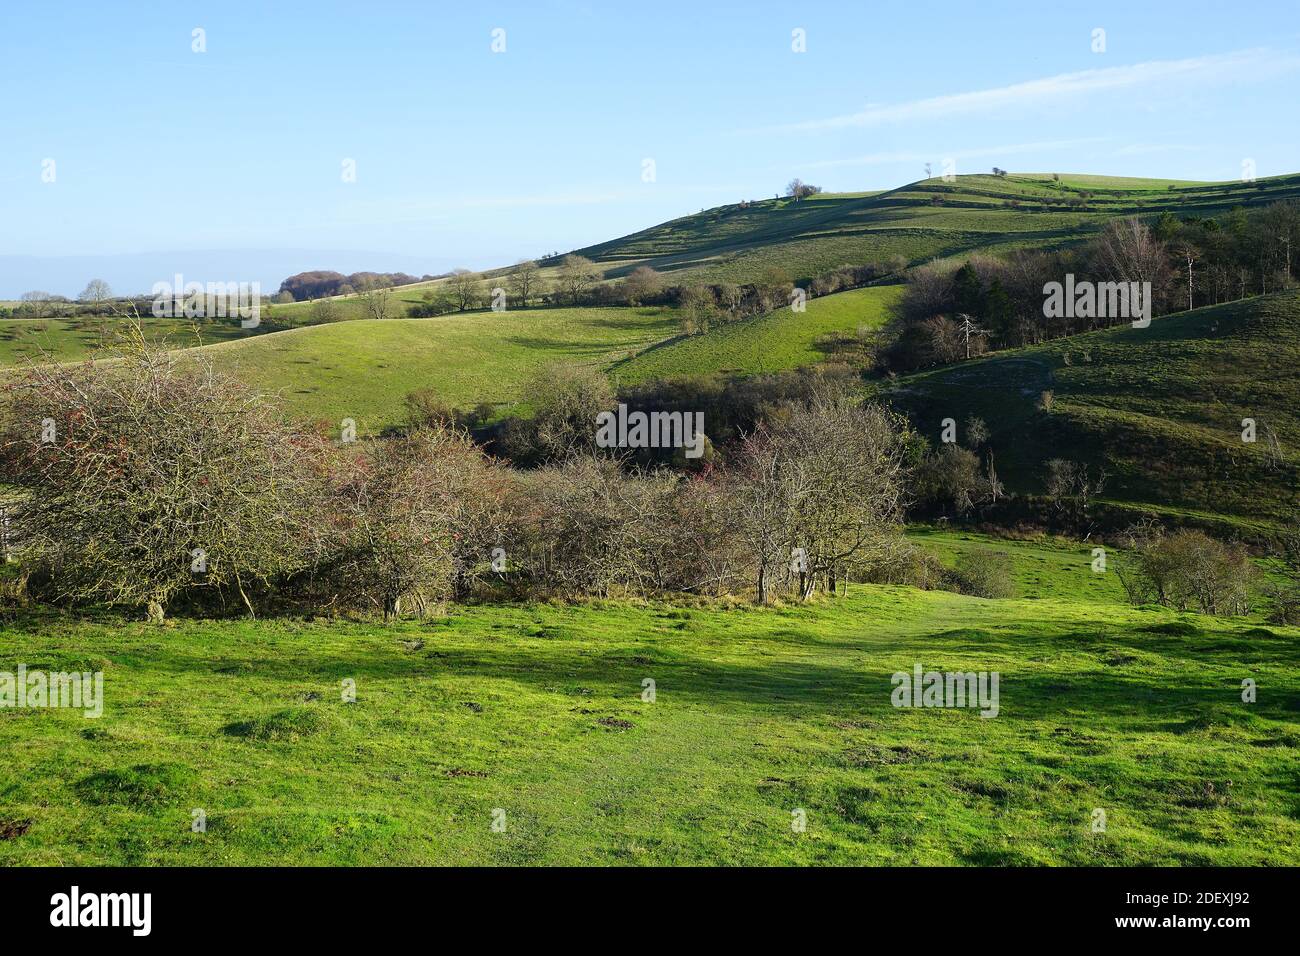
(774, 342)
(1160, 409)
(919, 221)
(364, 369)
(23, 341)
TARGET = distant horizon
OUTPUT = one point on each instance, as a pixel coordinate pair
(142, 269)
(462, 137)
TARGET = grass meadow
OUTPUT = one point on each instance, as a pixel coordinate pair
(35, 341)
(777, 341)
(537, 710)
(364, 369)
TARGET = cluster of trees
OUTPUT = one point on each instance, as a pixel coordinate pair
(38, 304)
(322, 283)
(580, 282)
(565, 400)
(799, 190)
(522, 286)
(704, 305)
(157, 483)
(991, 303)
(1187, 570)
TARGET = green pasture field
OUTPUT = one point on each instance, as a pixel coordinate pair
(536, 711)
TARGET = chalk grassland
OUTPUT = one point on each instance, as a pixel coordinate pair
(35, 341)
(1161, 407)
(364, 369)
(537, 710)
(921, 221)
(779, 340)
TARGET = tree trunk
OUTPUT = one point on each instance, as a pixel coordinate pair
(392, 606)
(244, 597)
(155, 612)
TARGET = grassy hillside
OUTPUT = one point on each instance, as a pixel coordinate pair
(347, 307)
(364, 369)
(1161, 408)
(773, 342)
(1045, 567)
(537, 710)
(920, 221)
(24, 341)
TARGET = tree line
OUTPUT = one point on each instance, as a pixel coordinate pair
(156, 483)
(987, 303)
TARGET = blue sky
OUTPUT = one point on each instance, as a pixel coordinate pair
(230, 161)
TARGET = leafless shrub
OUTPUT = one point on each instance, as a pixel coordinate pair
(984, 573)
(412, 521)
(1187, 570)
(152, 476)
(819, 493)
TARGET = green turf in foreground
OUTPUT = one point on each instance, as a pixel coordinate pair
(538, 710)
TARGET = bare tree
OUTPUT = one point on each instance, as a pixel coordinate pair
(800, 190)
(1282, 220)
(376, 298)
(38, 302)
(397, 515)
(466, 288)
(96, 293)
(969, 328)
(154, 476)
(1128, 252)
(641, 284)
(1189, 254)
(976, 432)
(578, 275)
(819, 492)
(1071, 487)
(524, 282)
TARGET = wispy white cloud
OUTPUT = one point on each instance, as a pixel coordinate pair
(1254, 64)
(938, 155)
